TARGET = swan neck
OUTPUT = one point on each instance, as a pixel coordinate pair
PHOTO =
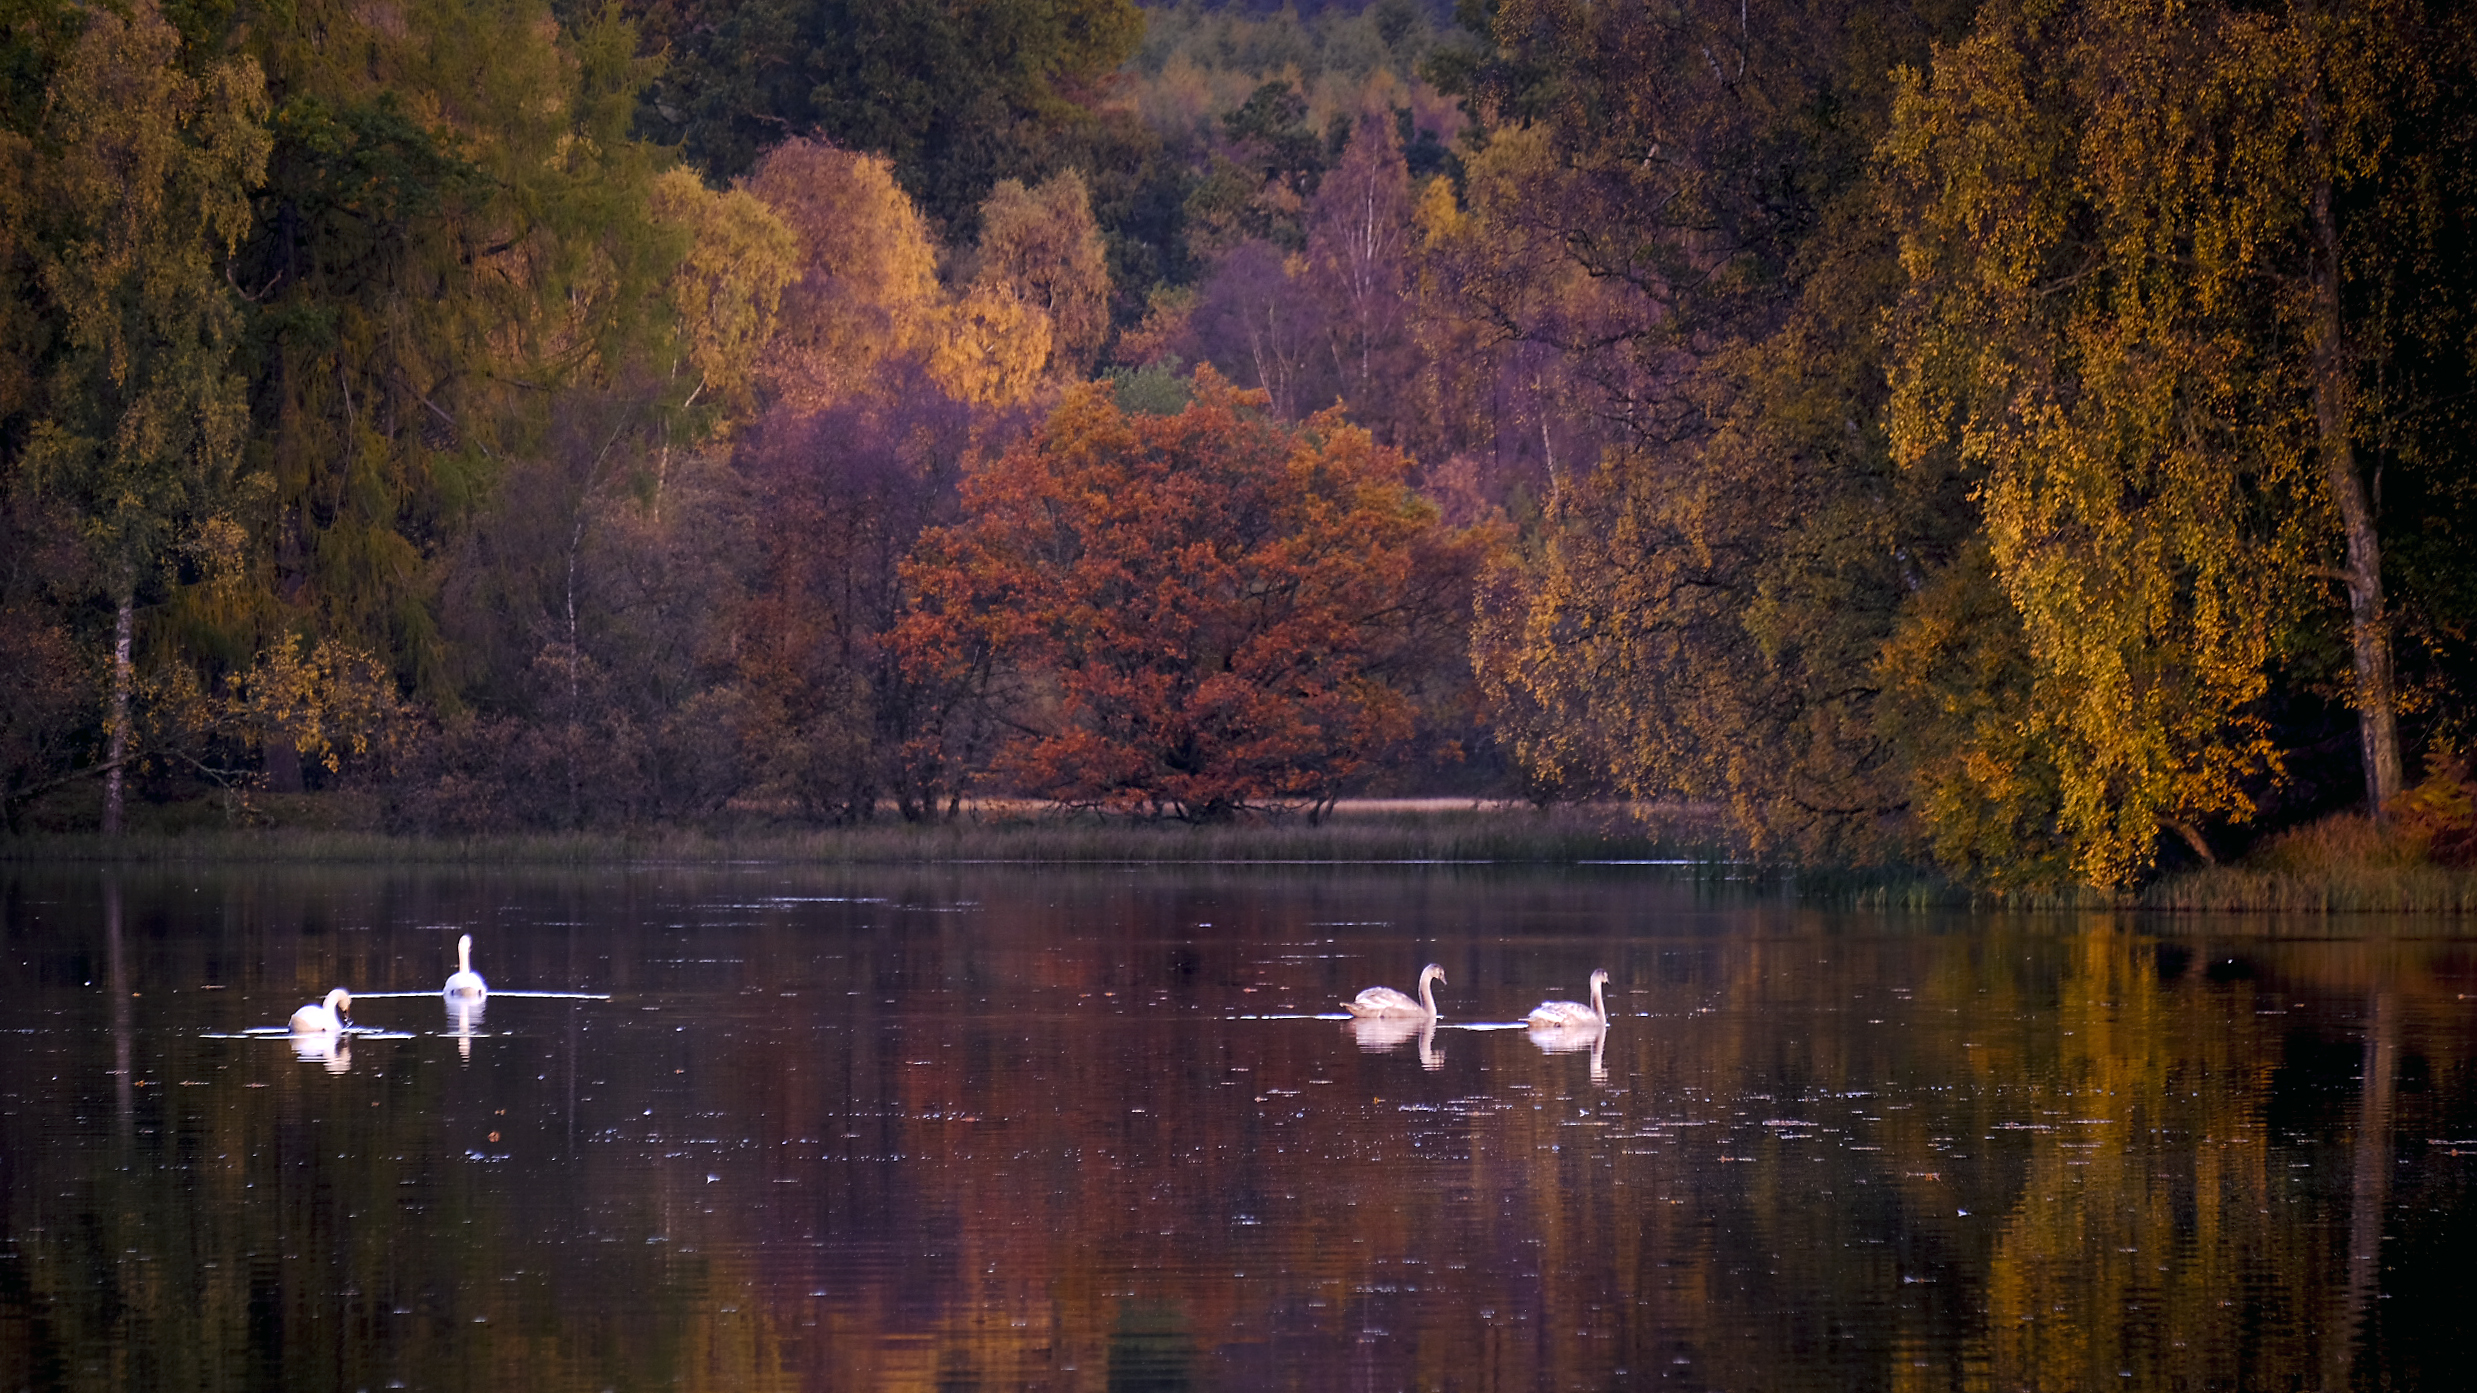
(1598, 1007)
(1427, 993)
(464, 953)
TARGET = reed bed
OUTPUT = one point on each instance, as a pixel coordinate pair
(2335, 890)
(2218, 890)
(2326, 869)
(2343, 864)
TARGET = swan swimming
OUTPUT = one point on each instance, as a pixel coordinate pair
(465, 981)
(1385, 1001)
(1574, 1013)
(328, 1018)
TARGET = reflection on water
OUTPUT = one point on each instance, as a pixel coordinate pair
(331, 1048)
(1382, 1034)
(464, 1021)
(1575, 1039)
(1008, 1128)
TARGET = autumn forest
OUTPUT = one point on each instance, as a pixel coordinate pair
(2022, 439)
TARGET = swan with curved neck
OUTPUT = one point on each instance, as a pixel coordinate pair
(1573, 1013)
(465, 981)
(324, 1018)
(1385, 1001)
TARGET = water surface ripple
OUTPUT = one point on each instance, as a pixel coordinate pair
(1004, 1127)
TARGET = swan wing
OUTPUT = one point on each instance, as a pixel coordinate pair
(1383, 1001)
(1377, 1034)
(1562, 1013)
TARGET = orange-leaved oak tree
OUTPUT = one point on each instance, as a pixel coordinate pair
(1195, 615)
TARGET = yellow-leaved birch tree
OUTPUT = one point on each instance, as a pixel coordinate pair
(144, 179)
(2125, 323)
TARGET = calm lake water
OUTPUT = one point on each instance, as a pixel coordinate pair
(1002, 1127)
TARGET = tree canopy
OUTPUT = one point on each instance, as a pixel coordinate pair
(955, 95)
(2023, 440)
(1209, 611)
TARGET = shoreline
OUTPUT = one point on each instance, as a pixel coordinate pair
(1398, 831)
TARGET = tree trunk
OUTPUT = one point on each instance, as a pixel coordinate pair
(2192, 836)
(116, 753)
(2378, 732)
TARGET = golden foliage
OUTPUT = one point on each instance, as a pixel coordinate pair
(327, 701)
(2093, 203)
(1516, 331)
(867, 285)
(1042, 245)
(991, 346)
(152, 166)
(866, 292)
(1957, 677)
(738, 259)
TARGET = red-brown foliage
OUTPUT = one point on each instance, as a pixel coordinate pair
(1204, 613)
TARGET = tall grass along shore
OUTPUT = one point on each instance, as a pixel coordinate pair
(1429, 830)
(2340, 866)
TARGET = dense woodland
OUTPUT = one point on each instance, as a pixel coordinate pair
(2017, 437)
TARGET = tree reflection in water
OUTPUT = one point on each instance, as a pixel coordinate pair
(1007, 1128)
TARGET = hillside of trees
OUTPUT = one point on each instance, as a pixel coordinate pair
(2017, 438)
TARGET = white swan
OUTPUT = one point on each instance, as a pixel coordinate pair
(1572, 1013)
(324, 1019)
(465, 981)
(1385, 1001)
